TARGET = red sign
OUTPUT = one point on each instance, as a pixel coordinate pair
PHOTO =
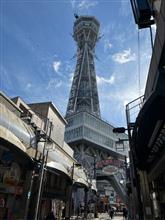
(118, 200)
(114, 162)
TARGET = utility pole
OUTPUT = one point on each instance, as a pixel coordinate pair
(41, 182)
(71, 189)
(94, 166)
(70, 199)
(43, 165)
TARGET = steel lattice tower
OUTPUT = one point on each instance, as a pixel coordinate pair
(84, 94)
(90, 137)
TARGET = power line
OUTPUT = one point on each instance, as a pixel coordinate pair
(139, 69)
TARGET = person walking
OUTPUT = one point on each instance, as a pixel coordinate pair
(125, 213)
(111, 213)
(50, 216)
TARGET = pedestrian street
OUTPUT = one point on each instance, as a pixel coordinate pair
(105, 216)
(102, 216)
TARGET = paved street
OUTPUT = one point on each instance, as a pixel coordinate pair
(105, 216)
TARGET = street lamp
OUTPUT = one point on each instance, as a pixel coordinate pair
(94, 166)
(48, 146)
(119, 145)
(45, 152)
(119, 130)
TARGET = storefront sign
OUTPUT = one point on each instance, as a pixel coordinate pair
(109, 169)
(12, 176)
(118, 200)
(111, 161)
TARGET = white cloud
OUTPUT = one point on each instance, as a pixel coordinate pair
(69, 82)
(114, 99)
(122, 94)
(71, 77)
(107, 45)
(53, 83)
(56, 66)
(58, 84)
(125, 95)
(83, 4)
(124, 57)
(101, 80)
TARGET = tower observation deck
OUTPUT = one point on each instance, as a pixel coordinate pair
(84, 94)
(90, 137)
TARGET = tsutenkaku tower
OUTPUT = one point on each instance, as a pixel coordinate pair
(91, 138)
(84, 94)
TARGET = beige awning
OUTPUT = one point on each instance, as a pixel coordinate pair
(93, 185)
(10, 137)
(82, 182)
(58, 166)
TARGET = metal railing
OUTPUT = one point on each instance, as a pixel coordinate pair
(132, 111)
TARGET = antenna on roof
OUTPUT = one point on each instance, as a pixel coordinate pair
(76, 15)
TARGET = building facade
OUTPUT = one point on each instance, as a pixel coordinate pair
(36, 175)
(147, 132)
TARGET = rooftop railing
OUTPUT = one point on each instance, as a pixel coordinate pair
(132, 111)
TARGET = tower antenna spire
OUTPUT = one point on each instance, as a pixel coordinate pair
(83, 93)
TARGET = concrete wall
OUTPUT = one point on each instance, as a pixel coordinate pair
(68, 149)
(9, 104)
(57, 133)
(157, 54)
(40, 109)
(48, 111)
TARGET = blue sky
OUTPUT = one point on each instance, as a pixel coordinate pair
(37, 51)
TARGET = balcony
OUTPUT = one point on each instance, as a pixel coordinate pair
(85, 127)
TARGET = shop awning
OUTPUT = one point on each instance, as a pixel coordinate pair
(58, 166)
(11, 138)
(93, 187)
(81, 182)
